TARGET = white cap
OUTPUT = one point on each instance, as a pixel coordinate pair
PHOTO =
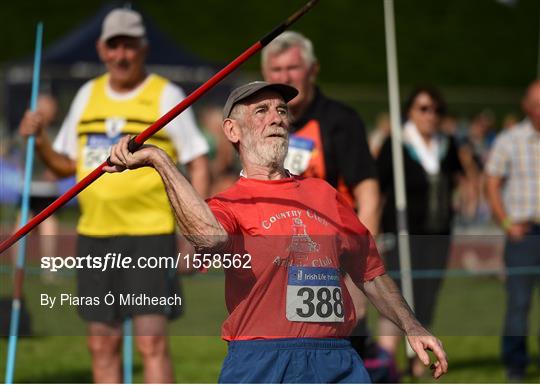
(122, 22)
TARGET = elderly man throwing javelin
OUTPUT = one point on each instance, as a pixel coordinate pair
(289, 310)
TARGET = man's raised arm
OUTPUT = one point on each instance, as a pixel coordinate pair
(195, 219)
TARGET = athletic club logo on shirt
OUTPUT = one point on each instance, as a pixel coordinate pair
(301, 242)
(303, 249)
(114, 126)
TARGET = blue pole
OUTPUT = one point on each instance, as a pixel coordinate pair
(16, 304)
(128, 351)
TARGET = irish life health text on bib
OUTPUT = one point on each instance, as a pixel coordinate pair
(314, 295)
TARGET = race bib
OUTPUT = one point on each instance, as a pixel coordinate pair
(97, 149)
(299, 154)
(314, 295)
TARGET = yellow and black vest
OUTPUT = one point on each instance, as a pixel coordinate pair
(133, 202)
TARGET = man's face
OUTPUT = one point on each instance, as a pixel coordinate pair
(124, 58)
(264, 129)
(290, 67)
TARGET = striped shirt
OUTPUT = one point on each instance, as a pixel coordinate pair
(515, 156)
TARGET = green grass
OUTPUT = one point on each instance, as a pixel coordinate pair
(65, 359)
(58, 352)
(468, 320)
(474, 307)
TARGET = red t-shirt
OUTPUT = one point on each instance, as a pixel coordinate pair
(301, 235)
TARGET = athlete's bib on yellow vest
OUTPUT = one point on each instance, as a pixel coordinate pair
(133, 202)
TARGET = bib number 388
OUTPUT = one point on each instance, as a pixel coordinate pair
(314, 295)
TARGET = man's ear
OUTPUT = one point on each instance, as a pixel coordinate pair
(231, 129)
(145, 48)
(100, 47)
(313, 72)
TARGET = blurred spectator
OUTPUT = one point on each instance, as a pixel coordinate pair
(473, 151)
(129, 213)
(509, 121)
(514, 194)
(431, 165)
(481, 134)
(328, 138)
(470, 193)
(10, 173)
(44, 188)
(224, 165)
(449, 125)
(379, 134)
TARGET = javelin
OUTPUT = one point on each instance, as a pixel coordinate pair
(139, 140)
(19, 272)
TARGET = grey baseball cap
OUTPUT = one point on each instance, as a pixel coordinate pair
(122, 22)
(243, 92)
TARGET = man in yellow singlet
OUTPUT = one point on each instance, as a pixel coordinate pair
(129, 213)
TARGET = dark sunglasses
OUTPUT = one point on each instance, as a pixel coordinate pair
(425, 109)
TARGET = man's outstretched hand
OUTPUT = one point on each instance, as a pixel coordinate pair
(421, 341)
(121, 159)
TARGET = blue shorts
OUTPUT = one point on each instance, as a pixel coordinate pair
(293, 360)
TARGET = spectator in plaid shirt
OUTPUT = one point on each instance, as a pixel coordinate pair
(513, 187)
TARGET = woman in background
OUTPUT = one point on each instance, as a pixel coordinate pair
(431, 166)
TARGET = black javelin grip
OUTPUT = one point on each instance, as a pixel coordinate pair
(132, 147)
(283, 26)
